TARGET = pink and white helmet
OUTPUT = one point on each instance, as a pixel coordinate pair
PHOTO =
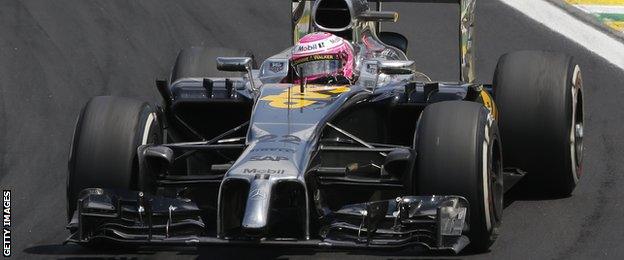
(321, 55)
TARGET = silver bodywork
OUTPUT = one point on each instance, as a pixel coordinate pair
(303, 125)
(295, 131)
(283, 137)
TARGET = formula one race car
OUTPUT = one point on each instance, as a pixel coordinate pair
(336, 142)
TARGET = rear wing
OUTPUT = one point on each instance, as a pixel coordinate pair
(302, 24)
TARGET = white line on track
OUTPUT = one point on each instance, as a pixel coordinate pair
(567, 25)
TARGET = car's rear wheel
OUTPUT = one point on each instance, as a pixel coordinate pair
(459, 153)
(103, 152)
(540, 102)
(201, 62)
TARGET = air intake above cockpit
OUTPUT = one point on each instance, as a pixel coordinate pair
(332, 15)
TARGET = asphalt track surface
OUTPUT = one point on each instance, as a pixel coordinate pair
(54, 55)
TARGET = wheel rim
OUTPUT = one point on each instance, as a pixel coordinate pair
(492, 180)
(578, 142)
(577, 127)
(496, 183)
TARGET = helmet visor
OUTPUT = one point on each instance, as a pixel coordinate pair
(318, 65)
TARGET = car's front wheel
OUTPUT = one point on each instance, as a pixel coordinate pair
(104, 148)
(459, 153)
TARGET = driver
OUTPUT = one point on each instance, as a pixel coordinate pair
(323, 58)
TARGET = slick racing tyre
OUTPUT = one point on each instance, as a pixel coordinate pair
(200, 62)
(104, 147)
(459, 153)
(540, 102)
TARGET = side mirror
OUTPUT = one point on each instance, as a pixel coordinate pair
(396, 66)
(369, 74)
(237, 64)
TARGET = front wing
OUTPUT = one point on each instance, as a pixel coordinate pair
(129, 217)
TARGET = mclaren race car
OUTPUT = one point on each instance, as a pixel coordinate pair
(336, 142)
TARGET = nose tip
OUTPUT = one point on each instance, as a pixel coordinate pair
(255, 220)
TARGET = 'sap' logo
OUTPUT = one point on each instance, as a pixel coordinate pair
(269, 158)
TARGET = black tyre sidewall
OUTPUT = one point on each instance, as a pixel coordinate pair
(534, 99)
(105, 156)
(455, 166)
(69, 193)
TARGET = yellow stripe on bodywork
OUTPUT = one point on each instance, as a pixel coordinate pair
(291, 98)
(488, 102)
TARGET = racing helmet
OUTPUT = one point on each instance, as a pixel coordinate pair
(321, 56)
